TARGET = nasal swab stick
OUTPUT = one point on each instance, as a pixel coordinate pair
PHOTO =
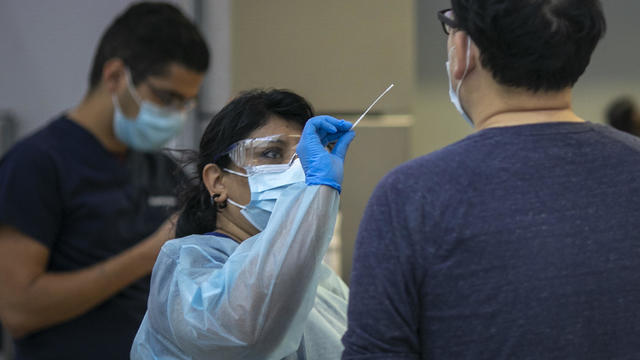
(370, 106)
(295, 155)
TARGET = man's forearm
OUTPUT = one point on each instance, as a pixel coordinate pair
(53, 298)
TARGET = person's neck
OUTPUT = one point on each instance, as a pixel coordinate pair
(499, 106)
(95, 114)
(225, 226)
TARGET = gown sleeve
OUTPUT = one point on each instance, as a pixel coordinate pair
(253, 304)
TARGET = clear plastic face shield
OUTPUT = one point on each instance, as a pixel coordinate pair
(270, 153)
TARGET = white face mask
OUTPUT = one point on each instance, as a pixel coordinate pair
(454, 96)
(266, 183)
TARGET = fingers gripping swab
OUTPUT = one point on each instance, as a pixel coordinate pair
(295, 155)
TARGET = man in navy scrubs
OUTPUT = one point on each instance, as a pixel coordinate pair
(86, 202)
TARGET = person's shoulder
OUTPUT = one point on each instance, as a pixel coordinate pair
(616, 135)
(33, 150)
(41, 141)
(194, 248)
(432, 169)
(171, 248)
(25, 150)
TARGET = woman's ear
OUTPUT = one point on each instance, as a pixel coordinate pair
(463, 60)
(212, 180)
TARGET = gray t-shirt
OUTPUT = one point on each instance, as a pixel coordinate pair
(513, 243)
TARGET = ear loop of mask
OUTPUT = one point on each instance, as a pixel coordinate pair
(236, 204)
(239, 174)
(466, 68)
(454, 95)
(132, 88)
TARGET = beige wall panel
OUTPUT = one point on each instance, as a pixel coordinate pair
(339, 54)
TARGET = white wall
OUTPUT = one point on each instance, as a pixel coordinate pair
(46, 48)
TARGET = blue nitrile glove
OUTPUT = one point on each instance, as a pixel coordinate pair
(322, 167)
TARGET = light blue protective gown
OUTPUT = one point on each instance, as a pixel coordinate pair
(269, 297)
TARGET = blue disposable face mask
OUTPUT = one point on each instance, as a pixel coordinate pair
(153, 127)
(454, 96)
(266, 183)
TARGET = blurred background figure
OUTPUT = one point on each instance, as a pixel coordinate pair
(623, 114)
(85, 202)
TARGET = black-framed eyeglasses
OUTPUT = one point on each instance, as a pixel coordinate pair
(446, 19)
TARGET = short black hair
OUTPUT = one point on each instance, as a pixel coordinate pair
(539, 45)
(247, 112)
(149, 36)
(620, 114)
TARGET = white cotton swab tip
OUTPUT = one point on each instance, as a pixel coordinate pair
(370, 106)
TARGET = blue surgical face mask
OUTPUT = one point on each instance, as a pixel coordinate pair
(266, 183)
(454, 96)
(153, 127)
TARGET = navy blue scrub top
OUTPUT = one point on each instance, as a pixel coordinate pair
(61, 187)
